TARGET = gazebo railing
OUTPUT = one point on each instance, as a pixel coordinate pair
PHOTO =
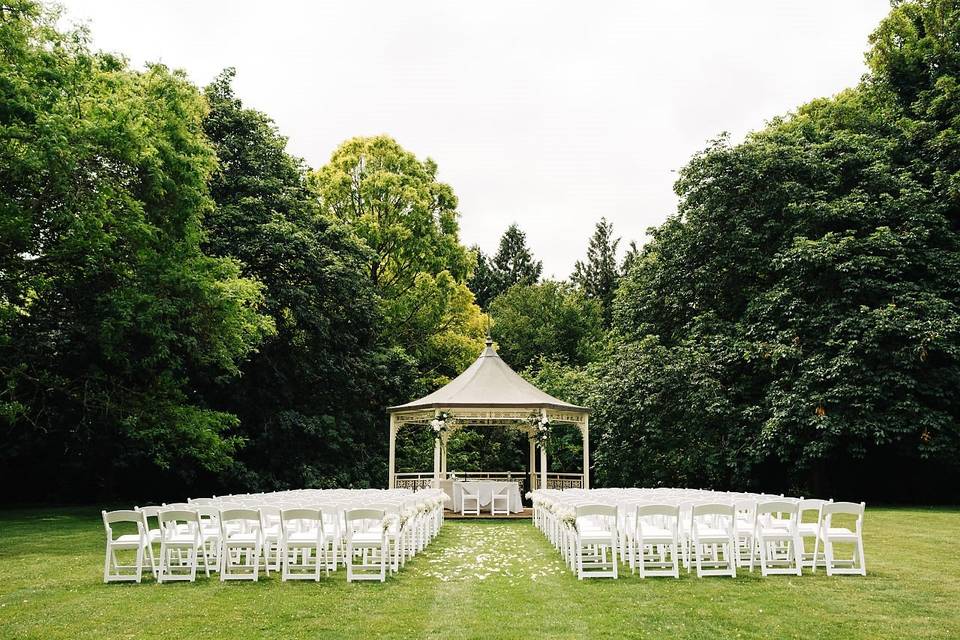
(424, 479)
(564, 480)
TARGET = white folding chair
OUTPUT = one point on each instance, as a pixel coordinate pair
(745, 524)
(778, 541)
(240, 540)
(270, 537)
(465, 498)
(500, 496)
(153, 534)
(113, 569)
(655, 548)
(366, 541)
(809, 529)
(713, 540)
(831, 535)
(210, 533)
(596, 541)
(303, 546)
(180, 546)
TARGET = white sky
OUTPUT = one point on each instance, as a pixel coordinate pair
(548, 114)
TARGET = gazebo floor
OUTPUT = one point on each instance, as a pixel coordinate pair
(527, 513)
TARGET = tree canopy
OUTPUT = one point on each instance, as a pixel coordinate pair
(110, 313)
(807, 290)
(598, 276)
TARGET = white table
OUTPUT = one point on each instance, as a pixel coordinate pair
(485, 489)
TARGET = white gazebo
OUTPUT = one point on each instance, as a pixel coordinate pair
(490, 393)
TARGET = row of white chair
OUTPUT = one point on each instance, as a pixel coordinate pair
(300, 539)
(654, 531)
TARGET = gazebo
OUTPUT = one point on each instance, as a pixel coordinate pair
(490, 393)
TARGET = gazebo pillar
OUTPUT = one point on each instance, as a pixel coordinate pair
(543, 467)
(443, 455)
(585, 430)
(392, 467)
(436, 463)
(533, 464)
(543, 457)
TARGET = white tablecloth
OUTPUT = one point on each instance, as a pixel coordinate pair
(485, 489)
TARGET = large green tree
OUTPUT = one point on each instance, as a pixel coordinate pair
(309, 401)
(407, 219)
(110, 314)
(811, 281)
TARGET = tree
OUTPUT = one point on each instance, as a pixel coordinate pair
(417, 266)
(598, 276)
(629, 258)
(111, 316)
(513, 263)
(811, 278)
(483, 281)
(309, 400)
(551, 320)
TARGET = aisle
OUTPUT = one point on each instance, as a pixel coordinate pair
(510, 551)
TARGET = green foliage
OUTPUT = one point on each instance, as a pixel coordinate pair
(598, 276)
(552, 320)
(483, 280)
(574, 384)
(416, 264)
(110, 314)
(310, 400)
(512, 264)
(807, 292)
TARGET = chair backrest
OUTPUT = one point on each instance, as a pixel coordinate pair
(712, 509)
(713, 515)
(301, 520)
(150, 511)
(768, 510)
(122, 516)
(669, 510)
(831, 509)
(169, 519)
(605, 510)
(810, 504)
(363, 519)
(247, 519)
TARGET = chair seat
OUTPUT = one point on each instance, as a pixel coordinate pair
(126, 539)
(595, 536)
(302, 537)
(808, 528)
(651, 533)
(838, 532)
(250, 538)
(181, 539)
(710, 534)
(773, 532)
(367, 537)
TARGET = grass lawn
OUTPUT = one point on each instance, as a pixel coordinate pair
(482, 579)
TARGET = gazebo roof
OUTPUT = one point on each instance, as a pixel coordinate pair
(488, 383)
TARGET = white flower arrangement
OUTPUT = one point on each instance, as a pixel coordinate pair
(568, 516)
(541, 428)
(389, 520)
(528, 495)
(439, 424)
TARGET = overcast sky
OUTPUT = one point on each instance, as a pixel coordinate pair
(548, 114)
